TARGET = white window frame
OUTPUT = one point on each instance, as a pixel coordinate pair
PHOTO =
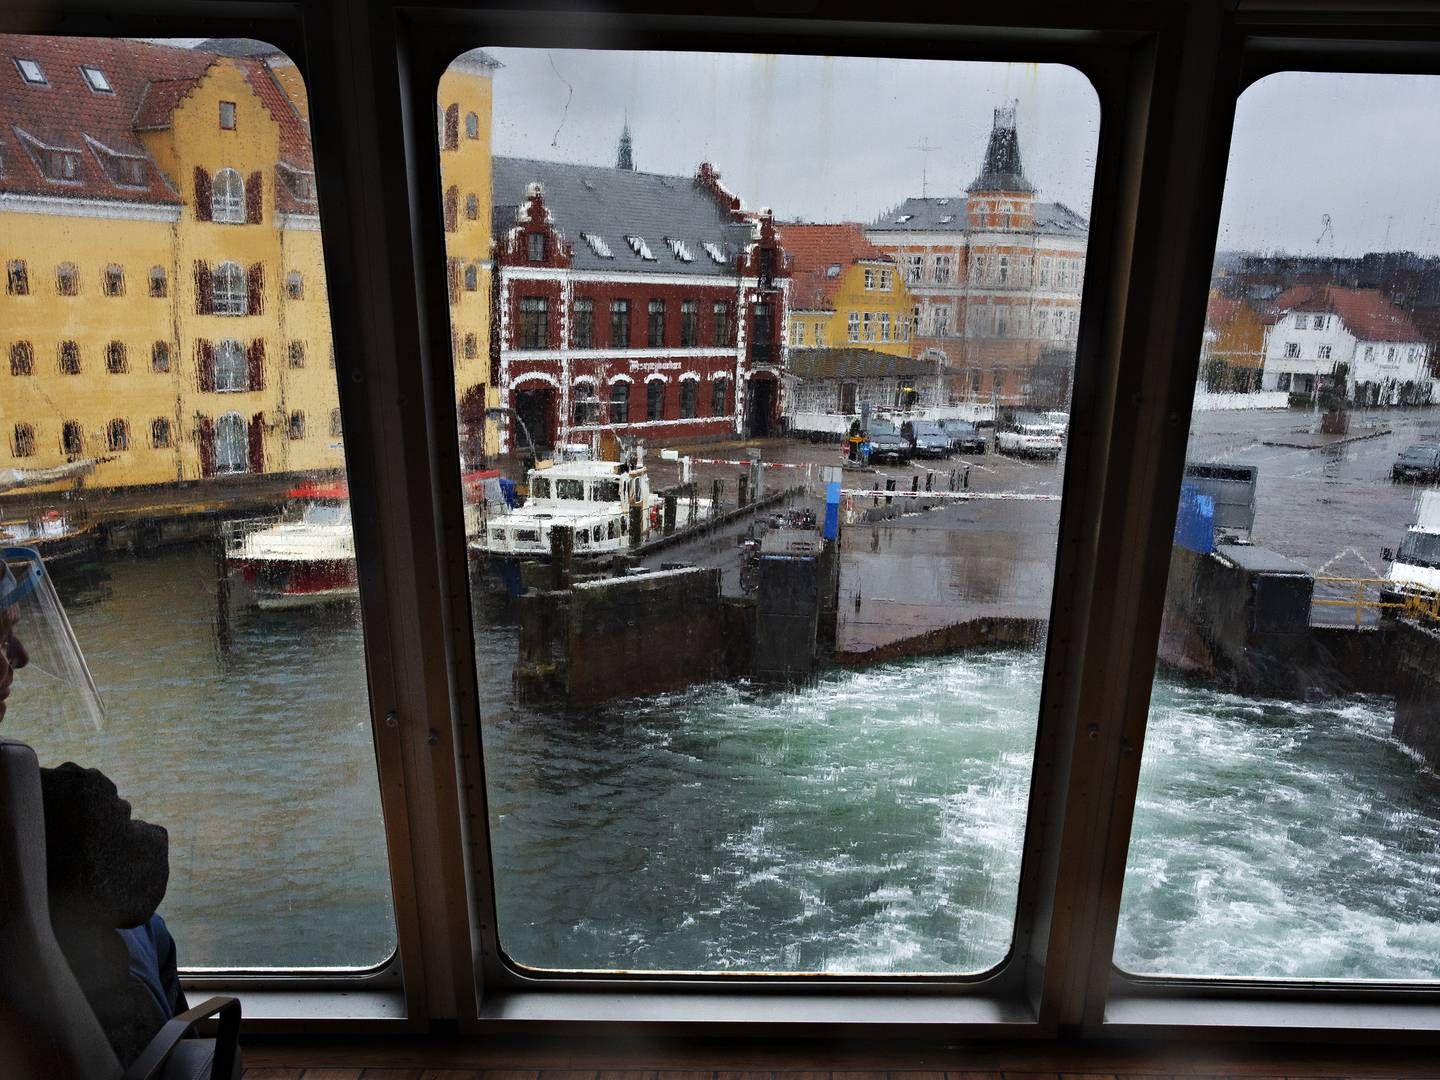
(227, 197)
(229, 291)
(225, 445)
(232, 367)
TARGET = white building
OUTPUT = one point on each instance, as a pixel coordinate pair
(1318, 335)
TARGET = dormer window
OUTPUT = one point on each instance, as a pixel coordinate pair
(640, 247)
(598, 245)
(30, 71)
(680, 250)
(713, 250)
(903, 218)
(536, 247)
(95, 79)
(833, 271)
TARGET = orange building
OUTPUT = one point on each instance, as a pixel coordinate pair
(1233, 353)
(996, 278)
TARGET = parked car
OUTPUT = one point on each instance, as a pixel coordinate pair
(926, 438)
(887, 444)
(965, 437)
(1024, 437)
(1419, 462)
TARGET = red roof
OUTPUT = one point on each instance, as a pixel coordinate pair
(147, 82)
(814, 250)
(1365, 312)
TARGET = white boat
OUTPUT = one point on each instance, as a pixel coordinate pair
(303, 558)
(594, 498)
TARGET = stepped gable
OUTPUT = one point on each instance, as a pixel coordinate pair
(101, 129)
(612, 204)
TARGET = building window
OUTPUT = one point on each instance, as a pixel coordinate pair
(655, 324)
(536, 247)
(867, 327)
(232, 445)
(762, 341)
(160, 356)
(1041, 317)
(724, 327)
(471, 346)
(230, 295)
(227, 198)
(159, 283)
(30, 71)
(1002, 322)
(869, 278)
(24, 444)
(114, 280)
(654, 400)
(797, 332)
(1324, 352)
(1045, 273)
(335, 425)
(1004, 269)
(72, 439)
(472, 126)
(117, 436)
(942, 269)
(689, 323)
(67, 280)
(472, 206)
(17, 278)
(295, 426)
(472, 278)
(69, 358)
(620, 402)
(852, 324)
(887, 280)
(534, 323)
(1282, 381)
(688, 392)
(95, 79)
(941, 318)
(719, 398)
(914, 268)
(1390, 355)
(1072, 323)
(1318, 322)
(582, 327)
(585, 407)
(227, 116)
(159, 433)
(820, 335)
(115, 361)
(1292, 349)
(232, 373)
(296, 354)
(884, 326)
(295, 285)
(620, 324)
(22, 358)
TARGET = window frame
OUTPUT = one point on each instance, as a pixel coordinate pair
(1160, 69)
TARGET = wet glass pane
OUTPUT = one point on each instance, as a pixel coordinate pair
(762, 464)
(1286, 823)
(172, 447)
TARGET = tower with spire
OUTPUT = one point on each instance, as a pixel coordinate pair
(625, 158)
(1000, 197)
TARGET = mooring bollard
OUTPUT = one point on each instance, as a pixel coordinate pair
(915, 484)
(743, 486)
(930, 481)
(967, 476)
(889, 486)
(670, 502)
(693, 514)
(717, 489)
(637, 524)
(562, 550)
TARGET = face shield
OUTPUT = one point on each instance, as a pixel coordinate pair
(44, 680)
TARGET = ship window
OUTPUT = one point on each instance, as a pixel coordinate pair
(540, 487)
(1285, 822)
(612, 529)
(497, 535)
(887, 840)
(527, 536)
(244, 731)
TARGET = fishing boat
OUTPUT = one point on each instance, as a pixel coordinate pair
(593, 498)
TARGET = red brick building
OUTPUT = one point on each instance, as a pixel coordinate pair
(633, 303)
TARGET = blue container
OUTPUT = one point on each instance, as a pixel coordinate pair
(1195, 523)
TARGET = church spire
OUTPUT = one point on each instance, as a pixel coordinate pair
(625, 158)
(1002, 170)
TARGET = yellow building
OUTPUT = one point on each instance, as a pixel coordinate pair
(845, 292)
(165, 316)
(464, 112)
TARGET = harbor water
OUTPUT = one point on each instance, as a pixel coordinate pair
(870, 823)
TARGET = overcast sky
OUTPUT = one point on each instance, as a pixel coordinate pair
(833, 139)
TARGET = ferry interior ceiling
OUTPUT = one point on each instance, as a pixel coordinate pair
(674, 542)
